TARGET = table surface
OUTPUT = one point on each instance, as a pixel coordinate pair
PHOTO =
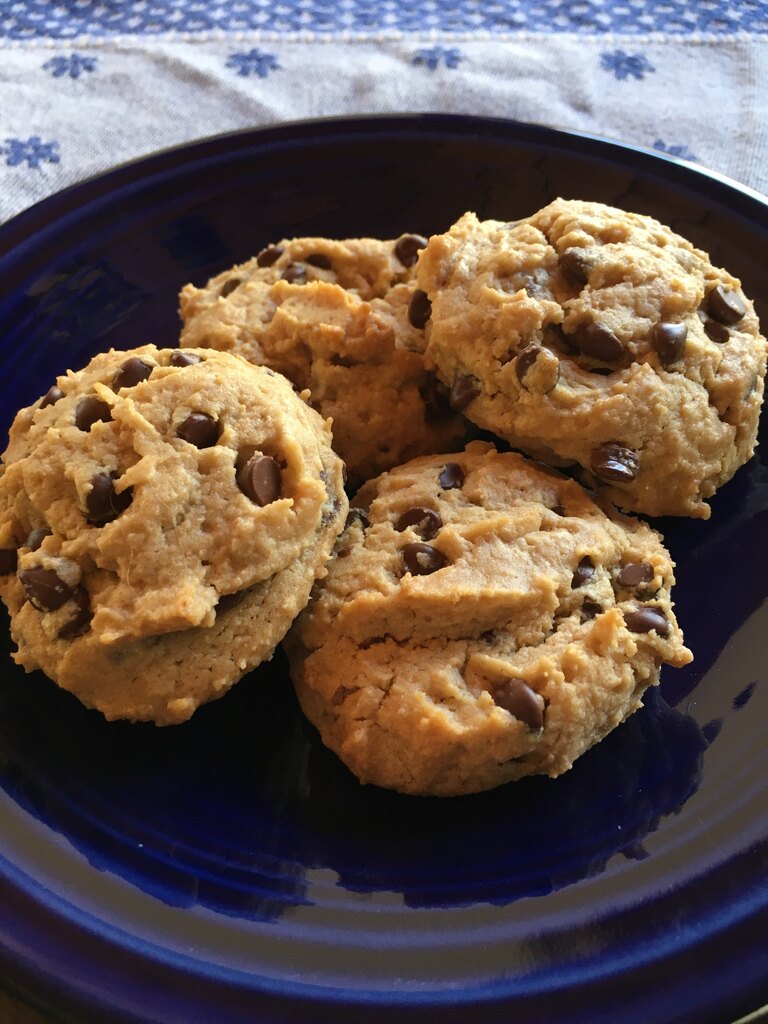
(120, 81)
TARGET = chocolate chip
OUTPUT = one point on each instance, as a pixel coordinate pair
(270, 255)
(436, 399)
(294, 273)
(599, 342)
(91, 410)
(669, 341)
(584, 572)
(725, 305)
(521, 701)
(614, 461)
(589, 610)
(635, 573)
(82, 617)
(425, 521)
(180, 358)
(556, 336)
(452, 476)
(229, 286)
(8, 561)
(407, 249)
(643, 620)
(716, 331)
(199, 429)
(464, 391)
(131, 373)
(422, 559)
(357, 515)
(419, 309)
(259, 479)
(575, 267)
(51, 396)
(525, 360)
(36, 538)
(103, 503)
(45, 590)
(319, 259)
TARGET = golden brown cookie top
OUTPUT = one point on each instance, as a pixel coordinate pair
(336, 317)
(153, 483)
(591, 334)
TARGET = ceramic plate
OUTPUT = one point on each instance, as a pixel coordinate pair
(230, 869)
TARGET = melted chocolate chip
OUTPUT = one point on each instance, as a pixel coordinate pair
(716, 331)
(419, 309)
(575, 267)
(45, 590)
(8, 561)
(725, 305)
(319, 259)
(599, 342)
(131, 373)
(270, 255)
(103, 503)
(294, 273)
(260, 480)
(565, 343)
(634, 574)
(643, 620)
(615, 462)
(436, 399)
(464, 391)
(357, 515)
(407, 249)
(36, 538)
(181, 358)
(422, 559)
(589, 610)
(583, 572)
(51, 396)
(451, 476)
(425, 522)
(526, 359)
(669, 341)
(81, 618)
(229, 286)
(199, 429)
(521, 701)
(91, 410)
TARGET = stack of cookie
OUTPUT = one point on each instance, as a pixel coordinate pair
(168, 516)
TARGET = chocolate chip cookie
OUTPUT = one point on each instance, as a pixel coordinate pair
(163, 515)
(338, 318)
(589, 335)
(482, 620)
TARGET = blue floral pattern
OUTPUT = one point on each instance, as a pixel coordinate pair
(32, 152)
(40, 18)
(254, 62)
(433, 56)
(73, 65)
(680, 151)
(626, 65)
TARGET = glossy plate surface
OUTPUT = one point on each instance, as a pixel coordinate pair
(230, 869)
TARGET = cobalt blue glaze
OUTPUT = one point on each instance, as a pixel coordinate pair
(231, 868)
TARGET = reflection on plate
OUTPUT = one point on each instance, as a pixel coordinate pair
(231, 868)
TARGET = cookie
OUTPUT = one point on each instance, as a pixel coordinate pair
(163, 516)
(589, 335)
(482, 620)
(338, 318)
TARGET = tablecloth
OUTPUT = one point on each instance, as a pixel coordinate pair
(88, 84)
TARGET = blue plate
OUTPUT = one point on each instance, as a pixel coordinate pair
(231, 869)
